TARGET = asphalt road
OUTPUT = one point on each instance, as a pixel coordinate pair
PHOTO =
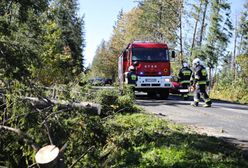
(223, 119)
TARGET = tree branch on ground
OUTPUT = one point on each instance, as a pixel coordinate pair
(22, 135)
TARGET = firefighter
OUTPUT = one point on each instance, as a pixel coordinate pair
(184, 78)
(131, 77)
(199, 82)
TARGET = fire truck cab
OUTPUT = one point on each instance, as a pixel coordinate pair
(152, 67)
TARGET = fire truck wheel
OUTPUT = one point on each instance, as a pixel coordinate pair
(164, 94)
(151, 94)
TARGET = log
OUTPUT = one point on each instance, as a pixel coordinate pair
(83, 105)
(47, 157)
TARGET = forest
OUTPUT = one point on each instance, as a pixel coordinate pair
(205, 29)
(45, 98)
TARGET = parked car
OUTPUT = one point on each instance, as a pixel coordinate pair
(108, 81)
(98, 81)
(177, 87)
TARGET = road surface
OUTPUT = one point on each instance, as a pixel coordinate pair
(223, 119)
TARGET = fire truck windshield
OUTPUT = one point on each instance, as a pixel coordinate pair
(150, 54)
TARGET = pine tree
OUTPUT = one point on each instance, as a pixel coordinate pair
(243, 29)
(72, 27)
(20, 37)
(101, 60)
(242, 58)
(219, 34)
(160, 19)
(197, 20)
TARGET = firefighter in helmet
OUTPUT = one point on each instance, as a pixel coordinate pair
(199, 81)
(184, 78)
(131, 77)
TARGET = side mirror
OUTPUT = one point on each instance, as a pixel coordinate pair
(173, 54)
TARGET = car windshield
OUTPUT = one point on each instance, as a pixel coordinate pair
(150, 54)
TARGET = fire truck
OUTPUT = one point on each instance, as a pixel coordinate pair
(152, 67)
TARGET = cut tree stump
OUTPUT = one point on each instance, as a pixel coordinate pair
(47, 157)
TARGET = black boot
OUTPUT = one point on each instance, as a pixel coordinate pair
(195, 104)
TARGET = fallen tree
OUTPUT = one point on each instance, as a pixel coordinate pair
(44, 102)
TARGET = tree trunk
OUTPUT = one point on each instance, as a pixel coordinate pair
(193, 39)
(234, 50)
(181, 31)
(195, 29)
(203, 22)
(84, 105)
(47, 157)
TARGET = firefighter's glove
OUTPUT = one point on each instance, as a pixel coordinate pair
(192, 88)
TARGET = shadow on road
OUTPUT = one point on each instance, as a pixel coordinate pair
(173, 100)
(176, 100)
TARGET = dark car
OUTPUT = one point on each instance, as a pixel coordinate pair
(108, 81)
(98, 81)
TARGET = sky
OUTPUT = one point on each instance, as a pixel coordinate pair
(100, 17)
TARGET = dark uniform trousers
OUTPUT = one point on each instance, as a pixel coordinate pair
(200, 90)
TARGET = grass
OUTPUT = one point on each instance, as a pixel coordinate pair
(142, 140)
(239, 94)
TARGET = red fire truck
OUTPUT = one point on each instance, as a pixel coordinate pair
(152, 67)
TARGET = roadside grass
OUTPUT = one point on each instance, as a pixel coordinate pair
(143, 140)
(239, 93)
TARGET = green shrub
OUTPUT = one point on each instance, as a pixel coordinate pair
(108, 100)
(112, 102)
(238, 90)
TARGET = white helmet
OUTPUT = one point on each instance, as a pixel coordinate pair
(196, 62)
(131, 68)
(185, 64)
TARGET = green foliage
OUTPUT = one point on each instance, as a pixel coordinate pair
(80, 129)
(117, 138)
(235, 82)
(243, 29)
(219, 33)
(225, 86)
(112, 102)
(34, 43)
(159, 20)
(142, 140)
(242, 61)
(72, 31)
(101, 63)
(52, 57)
(19, 42)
